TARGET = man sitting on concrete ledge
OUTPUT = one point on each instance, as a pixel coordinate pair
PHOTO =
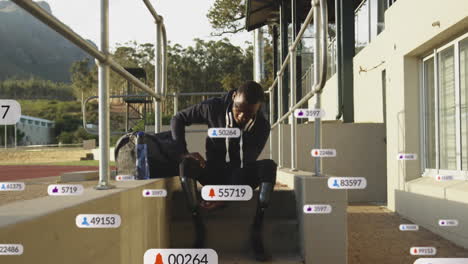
(229, 161)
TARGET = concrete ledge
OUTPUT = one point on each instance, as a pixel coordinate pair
(322, 237)
(427, 211)
(46, 226)
(430, 187)
(82, 176)
(457, 192)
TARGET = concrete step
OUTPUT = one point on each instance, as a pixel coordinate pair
(232, 236)
(282, 206)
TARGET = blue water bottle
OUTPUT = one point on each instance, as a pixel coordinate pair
(142, 166)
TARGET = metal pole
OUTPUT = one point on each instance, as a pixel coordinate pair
(157, 79)
(104, 123)
(176, 103)
(271, 122)
(5, 136)
(258, 57)
(16, 141)
(292, 96)
(280, 110)
(317, 122)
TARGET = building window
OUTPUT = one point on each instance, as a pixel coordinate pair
(369, 21)
(463, 49)
(445, 113)
(36, 123)
(43, 124)
(30, 122)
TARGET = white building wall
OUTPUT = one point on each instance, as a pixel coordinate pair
(413, 28)
(37, 131)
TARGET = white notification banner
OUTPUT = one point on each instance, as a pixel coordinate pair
(65, 189)
(409, 227)
(227, 192)
(12, 186)
(224, 132)
(323, 153)
(407, 156)
(11, 249)
(154, 193)
(10, 112)
(124, 178)
(448, 222)
(425, 251)
(347, 183)
(448, 177)
(98, 220)
(441, 261)
(317, 209)
(180, 256)
(308, 113)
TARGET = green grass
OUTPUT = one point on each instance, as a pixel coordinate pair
(64, 163)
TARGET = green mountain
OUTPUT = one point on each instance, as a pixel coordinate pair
(28, 47)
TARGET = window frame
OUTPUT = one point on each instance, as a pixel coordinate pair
(460, 173)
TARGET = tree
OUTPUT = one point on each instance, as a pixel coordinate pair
(83, 78)
(226, 16)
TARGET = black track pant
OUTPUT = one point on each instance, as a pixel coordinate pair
(253, 173)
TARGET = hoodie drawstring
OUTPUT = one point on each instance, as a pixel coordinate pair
(230, 123)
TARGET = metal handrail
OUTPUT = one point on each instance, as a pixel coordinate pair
(105, 63)
(48, 19)
(319, 11)
(318, 87)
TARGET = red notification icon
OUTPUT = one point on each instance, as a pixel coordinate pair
(159, 259)
(212, 193)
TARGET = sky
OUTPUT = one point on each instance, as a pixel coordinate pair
(130, 20)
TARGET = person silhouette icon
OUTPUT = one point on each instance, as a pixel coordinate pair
(214, 134)
(3, 187)
(335, 183)
(85, 221)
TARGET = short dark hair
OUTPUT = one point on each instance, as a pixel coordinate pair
(252, 91)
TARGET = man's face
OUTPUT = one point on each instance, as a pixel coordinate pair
(241, 110)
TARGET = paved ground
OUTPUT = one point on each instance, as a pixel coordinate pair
(374, 237)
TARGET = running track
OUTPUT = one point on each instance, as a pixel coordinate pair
(15, 172)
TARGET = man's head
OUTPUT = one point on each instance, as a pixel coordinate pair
(247, 100)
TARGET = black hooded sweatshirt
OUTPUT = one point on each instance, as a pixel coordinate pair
(214, 112)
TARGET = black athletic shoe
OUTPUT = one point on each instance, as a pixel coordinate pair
(257, 245)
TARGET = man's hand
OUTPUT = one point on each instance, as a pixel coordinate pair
(196, 156)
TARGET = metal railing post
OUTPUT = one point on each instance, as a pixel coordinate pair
(280, 112)
(104, 121)
(157, 78)
(292, 65)
(176, 103)
(271, 94)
